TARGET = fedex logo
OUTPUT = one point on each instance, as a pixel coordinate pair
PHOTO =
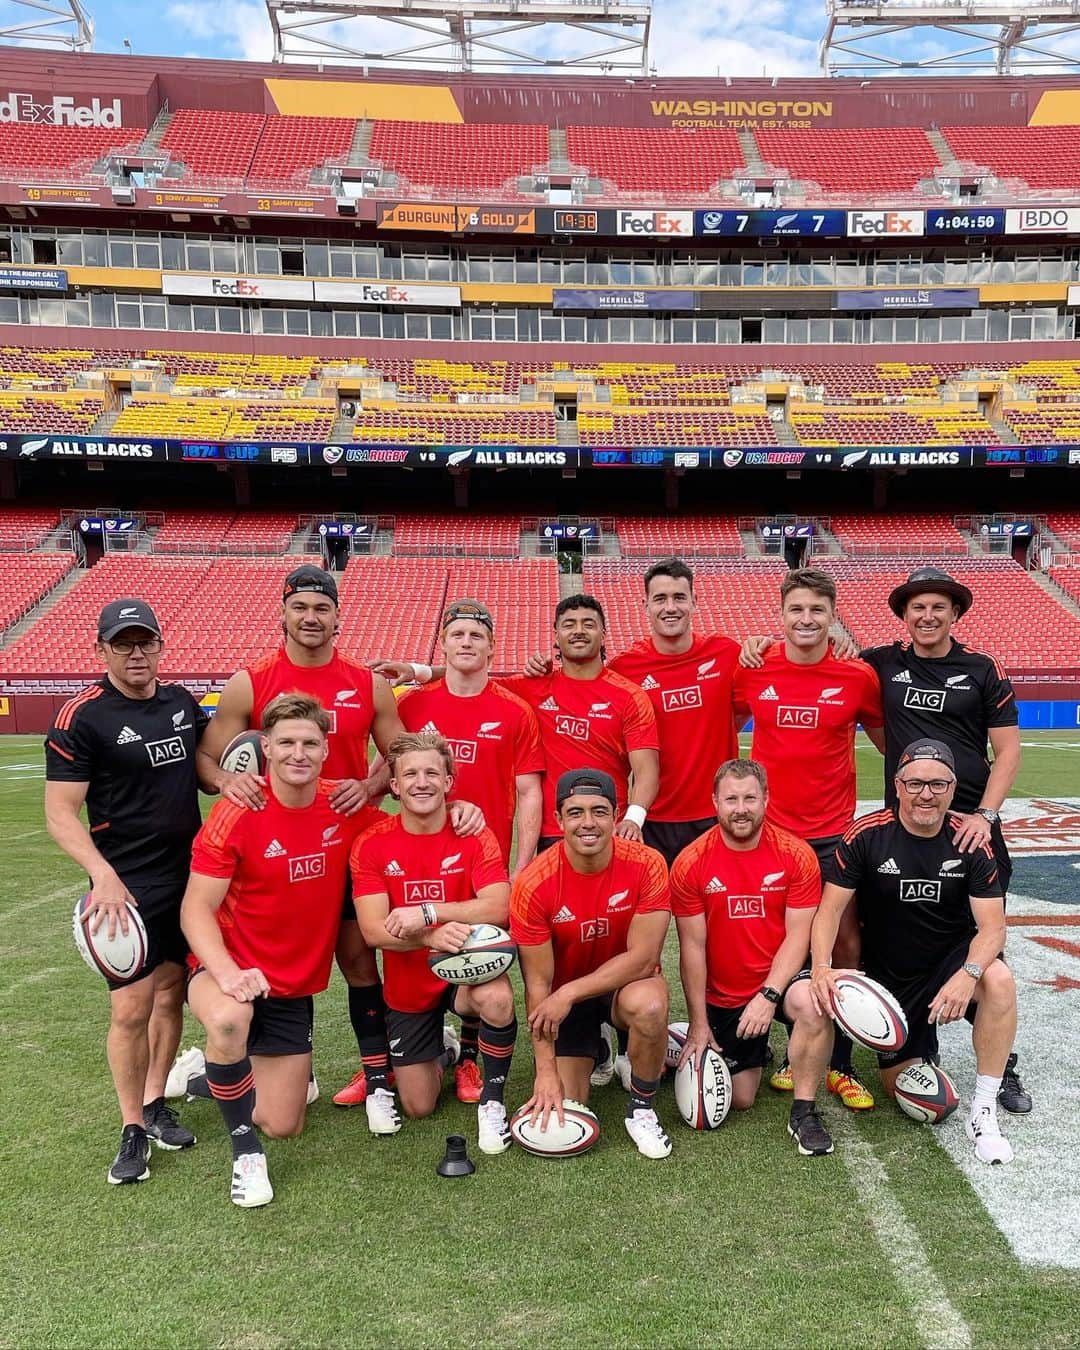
(307, 868)
(745, 907)
(675, 700)
(575, 727)
(424, 893)
(867, 224)
(464, 752)
(805, 719)
(591, 929)
(915, 891)
(929, 700)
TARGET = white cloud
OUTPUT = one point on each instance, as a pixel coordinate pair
(740, 38)
(239, 29)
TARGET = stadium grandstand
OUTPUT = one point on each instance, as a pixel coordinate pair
(467, 334)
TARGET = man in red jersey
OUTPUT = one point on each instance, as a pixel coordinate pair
(418, 888)
(495, 740)
(261, 914)
(744, 897)
(806, 704)
(360, 706)
(590, 917)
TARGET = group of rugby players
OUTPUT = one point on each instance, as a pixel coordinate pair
(630, 802)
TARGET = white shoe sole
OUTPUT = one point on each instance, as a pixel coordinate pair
(650, 1148)
(126, 1181)
(255, 1201)
(170, 1148)
(185, 1066)
(989, 1162)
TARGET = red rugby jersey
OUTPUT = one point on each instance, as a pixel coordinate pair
(494, 736)
(804, 735)
(288, 867)
(411, 869)
(587, 724)
(744, 895)
(586, 917)
(691, 696)
(343, 687)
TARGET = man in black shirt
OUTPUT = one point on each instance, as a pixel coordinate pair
(934, 687)
(933, 929)
(125, 746)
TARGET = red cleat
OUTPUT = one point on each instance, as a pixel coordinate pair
(467, 1081)
(354, 1093)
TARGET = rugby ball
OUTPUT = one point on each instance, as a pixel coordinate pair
(703, 1090)
(926, 1093)
(123, 958)
(488, 953)
(869, 1013)
(676, 1039)
(577, 1134)
(244, 754)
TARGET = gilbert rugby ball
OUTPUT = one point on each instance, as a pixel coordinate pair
(703, 1090)
(926, 1093)
(244, 754)
(120, 959)
(676, 1039)
(579, 1131)
(869, 1013)
(488, 953)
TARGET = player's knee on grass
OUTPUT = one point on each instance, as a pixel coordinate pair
(419, 1092)
(744, 1089)
(494, 1002)
(281, 1121)
(890, 1075)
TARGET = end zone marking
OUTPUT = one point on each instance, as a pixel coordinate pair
(914, 1276)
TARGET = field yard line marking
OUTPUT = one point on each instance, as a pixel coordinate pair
(915, 1277)
(36, 978)
(1043, 920)
(26, 834)
(49, 899)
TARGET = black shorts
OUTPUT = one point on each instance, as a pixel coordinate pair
(281, 1026)
(579, 1034)
(670, 837)
(159, 909)
(1001, 856)
(417, 1037)
(749, 1052)
(348, 908)
(825, 849)
(915, 999)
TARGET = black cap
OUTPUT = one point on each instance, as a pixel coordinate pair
(469, 609)
(593, 782)
(310, 578)
(121, 614)
(928, 750)
(925, 579)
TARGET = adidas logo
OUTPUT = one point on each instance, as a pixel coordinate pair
(770, 694)
(650, 682)
(274, 850)
(240, 1131)
(549, 705)
(393, 869)
(429, 726)
(889, 868)
(903, 678)
(564, 916)
(127, 736)
(715, 887)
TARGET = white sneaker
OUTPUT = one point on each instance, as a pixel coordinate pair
(186, 1065)
(312, 1090)
(251, 1181)
(604, 1071)
(452, 1042)
(645, 1130)
(983, 1130)
(622, 1068)
(494, 1133)
(382, 1116)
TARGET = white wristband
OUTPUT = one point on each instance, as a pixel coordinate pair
(636, 815)
(429, 914)
(421, 674)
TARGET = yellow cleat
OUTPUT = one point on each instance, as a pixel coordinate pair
(781, 1080)
(850, 1091)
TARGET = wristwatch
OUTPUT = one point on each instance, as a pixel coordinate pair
(975, 971)
(773, 995)
(987, 814)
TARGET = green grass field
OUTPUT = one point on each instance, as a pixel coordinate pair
(734, 1240)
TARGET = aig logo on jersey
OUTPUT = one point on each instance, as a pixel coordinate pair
(464, 752)
(592, 929)
(746, 907)
(928, 700)
(676, 700)
(424, 893)
(916, 891)
(170, 750)
(307, 868)
(805, 719)
(576, 727)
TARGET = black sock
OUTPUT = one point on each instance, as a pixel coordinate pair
(233, 1088)
(367, 1013)
(623, 1038)
(497, 1044)
(801, 1107)
(470, 1038)
(642, 1092)
(840, 1059)
(197, 1086)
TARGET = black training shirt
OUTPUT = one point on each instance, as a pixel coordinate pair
(138, 757)
(913, 894)
(954, 698)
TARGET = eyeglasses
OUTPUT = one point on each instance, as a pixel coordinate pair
(938, 786)
(148, 646)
